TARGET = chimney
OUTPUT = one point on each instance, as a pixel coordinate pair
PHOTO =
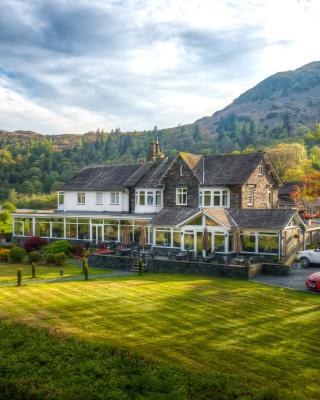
(155, 153)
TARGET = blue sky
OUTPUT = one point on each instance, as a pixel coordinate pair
(71, 67)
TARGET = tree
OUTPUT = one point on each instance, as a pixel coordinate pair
(291, 160)
(196, 133)
(307, 195)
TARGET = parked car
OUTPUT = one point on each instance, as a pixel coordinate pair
(308, 257)
(313, 281)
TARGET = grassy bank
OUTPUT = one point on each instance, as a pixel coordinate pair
(259, 337)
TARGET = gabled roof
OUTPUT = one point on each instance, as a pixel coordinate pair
(231, 218)
(173, 215)
(103, 177)
(230, 169)
(289, 187)
(193, 161)
(277, 218)
(149, 175)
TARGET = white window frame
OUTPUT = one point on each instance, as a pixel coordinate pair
(99, 198)
(181, 170)
(181, 192)
(151, 197)
(115, 198)
(260, 169)
(60, 195)
(81, 198)
(250, 195)
(221, 193)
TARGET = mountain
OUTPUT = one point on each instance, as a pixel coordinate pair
(280, 108)
(285, 105)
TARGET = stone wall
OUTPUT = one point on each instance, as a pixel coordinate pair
(174, 266)
(172, 180)
(235, 196)
(261, 183)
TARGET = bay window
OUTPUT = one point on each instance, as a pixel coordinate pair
(149, 197)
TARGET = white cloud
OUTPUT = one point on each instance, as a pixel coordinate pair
(144, 62)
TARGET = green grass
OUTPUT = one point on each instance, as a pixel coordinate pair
(8, 271)
(262, 338)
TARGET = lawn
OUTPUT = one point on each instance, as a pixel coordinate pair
(8, 272)
(191, 333)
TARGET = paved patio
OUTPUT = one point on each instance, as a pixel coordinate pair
(296, 279)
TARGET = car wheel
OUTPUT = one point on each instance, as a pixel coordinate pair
(305, 261)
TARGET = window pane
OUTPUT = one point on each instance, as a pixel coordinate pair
(158, 198)
(207, 198)
(111, 232)
(177, 239)
(57, 229)
(43, 229)
(268, 244)
(216, 199)
(142, 200)
(84, 231)
(219, 243)
(18, 227)
(225, 198)
(28, 227)
(189, 241)
(163, 238)
(248, 242)
(150, 198)
(231, 243)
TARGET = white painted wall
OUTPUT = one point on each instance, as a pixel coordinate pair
(71, 202)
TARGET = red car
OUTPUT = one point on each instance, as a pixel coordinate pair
(313, 281)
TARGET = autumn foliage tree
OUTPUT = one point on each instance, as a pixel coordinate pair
(307, 195)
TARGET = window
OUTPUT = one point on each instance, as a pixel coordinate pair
(214, 198)
(250, 195)
(115, 198)
(181, 170)
(158, 198)
(163, 237)
(61, 198)
(268, 243)
(99, 198)
(260, 168)
(269, 198)
(148, 197)
(81, 198)
(181, 196)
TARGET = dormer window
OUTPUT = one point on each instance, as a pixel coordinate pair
(181, 170)
(81, 198)
(260, 168)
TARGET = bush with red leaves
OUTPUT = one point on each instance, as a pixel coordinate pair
(34, 243)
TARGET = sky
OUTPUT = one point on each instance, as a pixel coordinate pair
(77, 66)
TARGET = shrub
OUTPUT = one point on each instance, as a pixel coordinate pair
(60, 258)
(59, 246)
(50, 258)
(17, 254)
(34, 256)
(4, 254)
(77, 250)
(34, 243)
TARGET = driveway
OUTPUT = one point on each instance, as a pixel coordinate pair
(295, 280)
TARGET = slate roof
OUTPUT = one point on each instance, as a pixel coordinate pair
(288, 187)
(261, 218)
(173, 215)
(149, 175)
(103, 177)
(220, 215)
(230, 169)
